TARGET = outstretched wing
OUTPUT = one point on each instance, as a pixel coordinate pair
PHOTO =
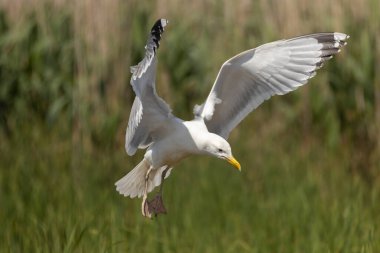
(248, 79)
(150, 115)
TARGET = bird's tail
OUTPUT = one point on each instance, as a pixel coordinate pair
(133, 184)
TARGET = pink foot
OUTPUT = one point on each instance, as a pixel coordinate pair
(154, 206)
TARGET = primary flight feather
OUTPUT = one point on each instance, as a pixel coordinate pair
(243, 83)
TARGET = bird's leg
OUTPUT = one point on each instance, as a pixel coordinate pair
(146, 212)
(162, 180)
(157, 204)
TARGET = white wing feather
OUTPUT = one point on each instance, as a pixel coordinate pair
(248, 79)
(150, 115)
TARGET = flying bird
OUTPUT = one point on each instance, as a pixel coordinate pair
(243, 83)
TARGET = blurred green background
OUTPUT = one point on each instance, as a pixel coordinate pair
(311, 160)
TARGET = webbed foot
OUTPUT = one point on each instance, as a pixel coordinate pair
(153, 207)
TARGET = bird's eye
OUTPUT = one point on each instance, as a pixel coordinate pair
(220, 150)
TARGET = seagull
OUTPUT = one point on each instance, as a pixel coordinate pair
(243, 83)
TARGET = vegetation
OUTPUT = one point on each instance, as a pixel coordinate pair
(311, 160)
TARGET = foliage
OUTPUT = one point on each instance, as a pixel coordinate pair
(36, 68)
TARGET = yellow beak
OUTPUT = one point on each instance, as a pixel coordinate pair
(234, 162)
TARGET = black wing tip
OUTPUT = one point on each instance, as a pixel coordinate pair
(151, 47)
(158, 29)
(333, 46)
(160, 25)
(338, 37)
(325, 37)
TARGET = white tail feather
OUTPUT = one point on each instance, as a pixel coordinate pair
(133, 183)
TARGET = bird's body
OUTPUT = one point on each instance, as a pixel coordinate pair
(183, 141)
(186, 138)
(243, 83)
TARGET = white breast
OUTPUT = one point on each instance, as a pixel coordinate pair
(182, 142)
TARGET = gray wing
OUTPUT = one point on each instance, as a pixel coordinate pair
(248, 79)
(150, 116)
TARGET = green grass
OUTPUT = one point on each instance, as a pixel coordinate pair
(284, 200)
